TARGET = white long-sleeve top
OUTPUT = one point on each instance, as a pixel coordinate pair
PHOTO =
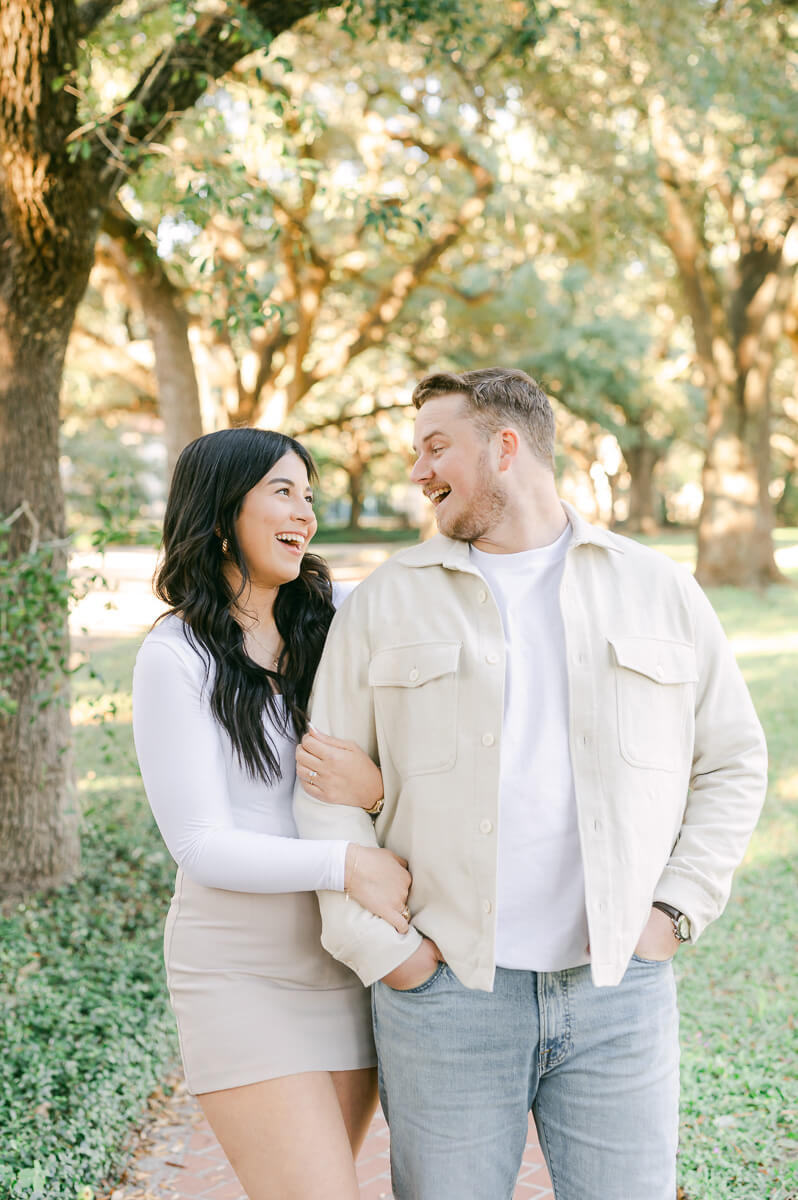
(224, 828)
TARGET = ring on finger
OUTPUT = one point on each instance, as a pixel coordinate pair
(312, 774)
(406, 913)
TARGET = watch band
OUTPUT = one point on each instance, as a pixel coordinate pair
(679, 921)
(376, 808)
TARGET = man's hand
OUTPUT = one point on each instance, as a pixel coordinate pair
(657, 941)
(416, 969)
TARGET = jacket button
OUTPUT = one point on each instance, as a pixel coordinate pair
(488, 739)
(413, 676)
(491, 658)
(487, 906)
(485, 826)
(660, 671)
(482, 596)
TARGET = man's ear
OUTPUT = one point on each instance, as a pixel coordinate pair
(509, 445)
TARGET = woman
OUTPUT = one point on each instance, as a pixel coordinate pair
(275, 1035)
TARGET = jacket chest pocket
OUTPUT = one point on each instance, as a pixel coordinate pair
(654, 682)
(415, 703)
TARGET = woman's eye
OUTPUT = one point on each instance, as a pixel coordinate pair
(283, 491)
(436, 449)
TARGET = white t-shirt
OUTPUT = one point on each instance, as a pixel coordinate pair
(225, 829)
(541, 921)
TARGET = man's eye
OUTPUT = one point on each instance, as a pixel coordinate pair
(436, 449)
(309, 499)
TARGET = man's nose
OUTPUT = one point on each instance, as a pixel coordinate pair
(419, 471)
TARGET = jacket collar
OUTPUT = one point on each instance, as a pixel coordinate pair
(441, 551)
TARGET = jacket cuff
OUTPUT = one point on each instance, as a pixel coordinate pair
(370, 962)
(690, 897)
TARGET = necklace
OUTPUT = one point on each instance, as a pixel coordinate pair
(273, 658)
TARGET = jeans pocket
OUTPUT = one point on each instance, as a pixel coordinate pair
(421, 987)
(651, 962)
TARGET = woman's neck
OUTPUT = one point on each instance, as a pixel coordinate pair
(254, 607)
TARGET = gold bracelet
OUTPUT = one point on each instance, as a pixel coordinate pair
(376, 807)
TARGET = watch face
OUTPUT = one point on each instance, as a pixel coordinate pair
(683, 927)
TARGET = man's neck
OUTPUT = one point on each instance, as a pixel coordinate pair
(526, 527)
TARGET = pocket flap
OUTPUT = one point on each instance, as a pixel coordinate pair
(410, 666)
(657, 659)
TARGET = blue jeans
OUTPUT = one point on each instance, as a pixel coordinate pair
(599, 1068)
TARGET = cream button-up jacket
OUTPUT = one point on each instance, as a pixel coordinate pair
(669, 760)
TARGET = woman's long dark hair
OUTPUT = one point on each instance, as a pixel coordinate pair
(212, 476)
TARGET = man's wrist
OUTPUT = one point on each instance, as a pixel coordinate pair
(680, 922)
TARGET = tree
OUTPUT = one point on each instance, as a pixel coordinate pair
(163, 308)
(60, 168)
(690, 115)
(313, 209)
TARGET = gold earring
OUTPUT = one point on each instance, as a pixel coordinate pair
(225, 545)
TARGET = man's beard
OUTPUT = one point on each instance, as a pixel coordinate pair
(481, 515)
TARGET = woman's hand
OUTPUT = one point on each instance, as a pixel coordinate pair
(337, 772)
(379, 880)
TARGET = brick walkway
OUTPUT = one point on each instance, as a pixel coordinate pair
(178, 1158)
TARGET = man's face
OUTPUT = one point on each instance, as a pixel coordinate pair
(456, 470)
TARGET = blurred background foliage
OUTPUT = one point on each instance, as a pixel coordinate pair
(570, 189)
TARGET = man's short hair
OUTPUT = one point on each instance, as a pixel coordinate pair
(498, 397)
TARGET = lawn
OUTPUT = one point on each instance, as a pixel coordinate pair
(86, 1030)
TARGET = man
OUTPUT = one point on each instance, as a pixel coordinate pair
(572, 767)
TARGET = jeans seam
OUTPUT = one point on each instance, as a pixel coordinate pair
(540, 1126)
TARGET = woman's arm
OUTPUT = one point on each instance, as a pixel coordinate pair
(337, 771)
(181, 755)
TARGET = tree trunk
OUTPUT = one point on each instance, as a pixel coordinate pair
(49, 214)
(735, 529)
(735, 532)
(38, 809)
(167, 322)
(641, 461)
(357, 480)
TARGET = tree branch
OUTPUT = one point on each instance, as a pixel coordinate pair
(91, 13)
(176, 79)
(341, 421)
(392, 297)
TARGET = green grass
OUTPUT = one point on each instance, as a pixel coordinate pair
(737, 987)
(87, 1034)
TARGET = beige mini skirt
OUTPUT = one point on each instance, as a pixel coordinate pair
(254, 993)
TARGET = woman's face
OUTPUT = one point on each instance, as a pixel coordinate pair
(276, 523)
